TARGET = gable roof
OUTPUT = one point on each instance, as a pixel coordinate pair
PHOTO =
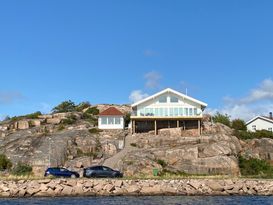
(169, 90)
(111, 111)
(260, 117)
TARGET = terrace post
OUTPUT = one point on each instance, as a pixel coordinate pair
(199, 127)
(177, 123)
(155, 127)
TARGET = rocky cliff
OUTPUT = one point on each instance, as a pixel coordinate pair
(67, 139)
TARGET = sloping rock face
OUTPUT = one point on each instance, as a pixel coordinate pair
(258, 148)
(47, 146)
(213, 153)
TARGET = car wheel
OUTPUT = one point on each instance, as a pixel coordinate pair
(73, 176)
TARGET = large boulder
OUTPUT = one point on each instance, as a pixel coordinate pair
(22, 124)
(258, 148)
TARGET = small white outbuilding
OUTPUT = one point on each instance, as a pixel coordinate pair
(260, 123)
(111, 118)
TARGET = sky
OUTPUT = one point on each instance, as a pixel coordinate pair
(119, 51)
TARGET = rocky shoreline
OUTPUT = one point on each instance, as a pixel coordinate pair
(114, 187)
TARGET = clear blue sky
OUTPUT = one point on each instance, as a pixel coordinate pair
(100, 51)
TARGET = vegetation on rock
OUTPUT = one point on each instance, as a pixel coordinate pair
(34, 115)
(22, 169)
(255, 167)
(244, 135)
(5, 163)
(69, 120)
(238, 124)
(66, 106)
(220, 118)
(83, 105)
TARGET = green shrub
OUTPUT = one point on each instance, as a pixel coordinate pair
(162, 162)
(127, 119)
(69, 120)
(61, 127)
(224, 119)
(244, 135)
(133, 144)
(83, 105)
(34, 115)
(22, 169)
(66, 106)
(5, 163)
(94, 130)
(92, 111)
(238, 124)
(255, 167)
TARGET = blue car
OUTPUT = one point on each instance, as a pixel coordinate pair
(61, 172)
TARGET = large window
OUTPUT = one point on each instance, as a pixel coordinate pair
(104, 120)
(171, 111)
(156, 112)
(160, 111)
(110, 120)
(117, 120)
(174, 99)
(180, 112)
(162, 99)
(166, 112)
(195, 111)
(254, 127)
(175, 110)
(186, 111)
(270, 129)
(190, 111)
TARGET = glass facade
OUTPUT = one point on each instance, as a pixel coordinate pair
(110, 120)
(168, 111)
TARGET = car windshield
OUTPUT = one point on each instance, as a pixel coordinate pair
(63, 169)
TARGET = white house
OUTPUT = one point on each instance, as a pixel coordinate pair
(111, 118)
(260, 123)
(167, 109)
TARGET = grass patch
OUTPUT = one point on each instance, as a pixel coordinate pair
(22, 170)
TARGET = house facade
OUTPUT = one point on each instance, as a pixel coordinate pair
(260, 123)
(111, 118)
(167, 109)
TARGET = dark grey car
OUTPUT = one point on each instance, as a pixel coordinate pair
(101, 171)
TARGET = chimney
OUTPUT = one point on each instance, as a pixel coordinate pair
(270, 115)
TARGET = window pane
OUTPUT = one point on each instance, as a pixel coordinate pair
(166, 112)
(186, 111)
(195, 111)
(175, 111)
(190, 111)
(162, 99)
(117, 120)
(171, 111)
(156, 111)
(104, 120)
(110, 120)
(174, 99)
(181, 111)
(160, 111)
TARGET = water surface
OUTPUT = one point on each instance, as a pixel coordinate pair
(143, 200)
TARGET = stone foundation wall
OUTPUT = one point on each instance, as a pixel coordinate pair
(90, 187)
